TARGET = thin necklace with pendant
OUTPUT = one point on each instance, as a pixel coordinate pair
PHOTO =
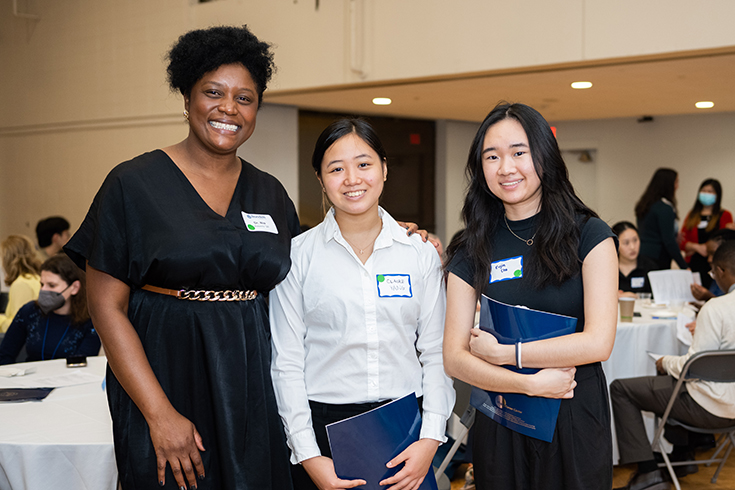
(528, 242)
(361, 250)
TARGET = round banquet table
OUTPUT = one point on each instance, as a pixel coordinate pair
(63, 441)
(630, 359)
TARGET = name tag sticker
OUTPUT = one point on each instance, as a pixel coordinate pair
(637, 282)
(259, 222)
(506, 269)
(394, 286)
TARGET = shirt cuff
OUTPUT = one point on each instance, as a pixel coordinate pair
(303, 446)
(433, 426)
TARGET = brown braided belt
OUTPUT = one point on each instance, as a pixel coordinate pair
(200, 295)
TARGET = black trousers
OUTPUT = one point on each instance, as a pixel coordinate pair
(323, 414)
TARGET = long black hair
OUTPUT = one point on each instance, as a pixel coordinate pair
(695, 215)
(553, 258)
(343, 127)
(662, 185)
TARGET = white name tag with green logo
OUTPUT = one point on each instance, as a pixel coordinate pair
(507, 269)
(394, 286)
(259, 222)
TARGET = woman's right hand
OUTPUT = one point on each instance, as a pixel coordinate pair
(553, 383)
(321, 471)
(177, 443)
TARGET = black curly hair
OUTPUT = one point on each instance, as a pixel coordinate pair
(204, 50)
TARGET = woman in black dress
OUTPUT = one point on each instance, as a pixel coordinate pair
(657, 220)
(530, 241)
(169, 233)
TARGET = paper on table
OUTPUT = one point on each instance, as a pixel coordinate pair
(682, 332)
(54, 381)
(697, 278)
(653, 356)
(671, 285)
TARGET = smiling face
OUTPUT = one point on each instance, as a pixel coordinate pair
(630, 245)
(352, 175)
(509, 170)
(222, 108)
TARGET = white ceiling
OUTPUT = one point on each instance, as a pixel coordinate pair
(655, 85)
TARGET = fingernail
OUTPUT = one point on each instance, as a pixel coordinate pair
(182, 487)
(201, 477)
(192, 487)
(160, 482)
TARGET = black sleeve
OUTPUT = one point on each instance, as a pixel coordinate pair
(15, 338)
(592, 233)
(462, 267)
(102, 238)
(90, 345)
(665, 220)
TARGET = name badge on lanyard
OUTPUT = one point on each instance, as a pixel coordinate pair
(394, 286)
(637, 282)
(506, 269)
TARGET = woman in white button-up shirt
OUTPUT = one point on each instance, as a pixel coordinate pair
(343, 343)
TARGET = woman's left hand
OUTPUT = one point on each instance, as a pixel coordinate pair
(417, 458)
(485, 346)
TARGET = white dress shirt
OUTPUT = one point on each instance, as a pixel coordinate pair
(715, 331)
(346, 332)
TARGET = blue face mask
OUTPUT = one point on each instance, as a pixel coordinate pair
(707, 199)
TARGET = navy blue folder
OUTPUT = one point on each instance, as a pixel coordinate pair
(529, 415)
(362, 445)
(24, 394)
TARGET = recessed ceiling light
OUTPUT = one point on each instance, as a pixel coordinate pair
(581, 85)
(704, 104)
(382, 101)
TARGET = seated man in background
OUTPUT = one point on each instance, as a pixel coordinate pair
(701, 403)
(700, 292)
(52, 233)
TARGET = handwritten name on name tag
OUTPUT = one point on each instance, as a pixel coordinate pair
(394, 286)
(506, 269)
(259, 222)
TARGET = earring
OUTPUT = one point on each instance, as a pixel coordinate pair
(186, 115)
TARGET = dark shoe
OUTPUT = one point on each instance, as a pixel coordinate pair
(653, 480)
(681, 471)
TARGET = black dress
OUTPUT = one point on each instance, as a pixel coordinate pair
(579, 457)
(148, 225)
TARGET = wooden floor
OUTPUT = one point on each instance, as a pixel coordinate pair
(697, 481)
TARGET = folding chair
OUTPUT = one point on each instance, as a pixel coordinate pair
(717, 366)
(466, 414)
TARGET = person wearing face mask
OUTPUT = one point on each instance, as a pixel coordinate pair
(705, 217)
(632, 267)
(57, 325)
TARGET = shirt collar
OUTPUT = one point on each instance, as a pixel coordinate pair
(390, 232)
(732, 288)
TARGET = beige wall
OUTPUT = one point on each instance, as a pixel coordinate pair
(84, 88)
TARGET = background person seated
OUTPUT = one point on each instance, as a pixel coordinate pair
(633, 268)
(21, 266)
(57, 325)
(700, 292)
(52, 233)
(701, 403)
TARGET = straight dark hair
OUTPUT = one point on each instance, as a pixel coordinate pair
(553, 257)
(343, 127)
(662, 185)
(695, 215)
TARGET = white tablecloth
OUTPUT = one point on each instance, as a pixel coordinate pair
(64, 441)
(630, 359)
